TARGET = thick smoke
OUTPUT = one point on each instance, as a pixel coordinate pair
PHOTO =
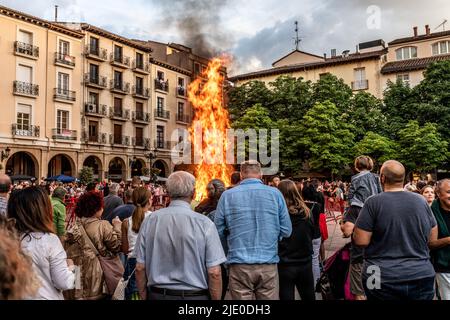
(198, 22)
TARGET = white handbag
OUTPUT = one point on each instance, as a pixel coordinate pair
(119, 293)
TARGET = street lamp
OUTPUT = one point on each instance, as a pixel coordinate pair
(5, 153)
(152, 155)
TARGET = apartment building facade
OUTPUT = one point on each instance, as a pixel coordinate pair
(76, 95)
(369, 68)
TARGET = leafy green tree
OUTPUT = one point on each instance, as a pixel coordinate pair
(86, 175)
(422, 148)
(378, 147)
(291, 97)
(327, 137)
(246, 96)
(365, 114)
(330, 88)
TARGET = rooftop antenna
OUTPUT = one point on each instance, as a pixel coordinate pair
(56, 13)
(297, 39)
(442, 24)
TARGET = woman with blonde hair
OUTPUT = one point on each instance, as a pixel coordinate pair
(295, 266)
(142, 199)
(428, 193)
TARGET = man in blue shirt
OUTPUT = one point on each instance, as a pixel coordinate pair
(253, 217)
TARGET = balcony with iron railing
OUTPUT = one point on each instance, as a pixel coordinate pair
(162, 114)
(119, 87)
(141, 117)
(95, 110)
(140, 67)
(162, 144)
(141, 142)
(26, 50)
(181, 91)
(99, 138)
(183, 118)
(96, 53)
(64, 134)
(64, 60)
(120, 61)
(64, 95)
(119, 114)
(30, 131)
(162, 85)
(141, 92)
(119, 140)
(360, 85)
(95, 81)
(25, 89)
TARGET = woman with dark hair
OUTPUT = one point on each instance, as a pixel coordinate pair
(214, 190)
(33, 213)
(87, 232)
(130, 229)
(295, 266)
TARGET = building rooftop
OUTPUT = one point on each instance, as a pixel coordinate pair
(420, 37)
(412, 64)
(313, 65)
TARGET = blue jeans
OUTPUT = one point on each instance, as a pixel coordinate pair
(131, 289)
(421, 289)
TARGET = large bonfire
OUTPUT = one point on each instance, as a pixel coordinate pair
(210, 114)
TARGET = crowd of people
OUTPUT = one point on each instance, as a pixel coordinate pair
(245, 241)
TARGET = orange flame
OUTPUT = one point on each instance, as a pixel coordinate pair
(206, 97)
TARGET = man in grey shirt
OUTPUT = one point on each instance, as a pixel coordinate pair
(112, 201)
(178, 251)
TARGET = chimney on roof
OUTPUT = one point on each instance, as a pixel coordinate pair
(357, 49)
(333, 53)
(427, 30)
(415, 31)
(324, 56)
(56, 13)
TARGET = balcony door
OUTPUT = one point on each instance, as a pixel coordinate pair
(117, 134)
(25, 37)
(139, 137)
(93, 72)
(117, 80)
(63, 83)
(62, 122)
(93, 131)
(118, 107)
(24, 73)
(23, 118)
(64, 48)
(160, 137)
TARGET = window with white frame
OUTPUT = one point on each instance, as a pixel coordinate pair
(406, 53)
(62, 121)
(64, 47)
(25, 37)
(63, 83)
(404, 77)
(23, 117)
(441, 47)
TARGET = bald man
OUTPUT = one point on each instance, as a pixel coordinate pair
(440, 238)
(5, 188)
(394, 227)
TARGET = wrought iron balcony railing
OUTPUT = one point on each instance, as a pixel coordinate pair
(93, 109)
(24, 88)
(120, 87)
(181, 91)
(26, 49)
(119, 114)
(120, 60)
(162, 85)
(162, 144)
(140, 116)
(181, 117)
(141, 142)
(100, 138)
(21, 130)
(96, 53)
(95, 80)
(140, 67)
(64, 59)
(141, 92)
(63, 94)
(64, 134)
(360, 85)
(119, 140)
(163, 114)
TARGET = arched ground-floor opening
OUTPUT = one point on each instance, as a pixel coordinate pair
(96, 164)
(117, 170)
(163, 167)
(22, 164)
(61, 164)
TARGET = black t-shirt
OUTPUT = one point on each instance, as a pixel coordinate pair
(438, 267)
(401, 224)
(356, 253)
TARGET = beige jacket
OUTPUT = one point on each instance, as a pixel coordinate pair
(107, 240)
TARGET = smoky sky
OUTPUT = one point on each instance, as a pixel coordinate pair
(255, 32)
(198, 22)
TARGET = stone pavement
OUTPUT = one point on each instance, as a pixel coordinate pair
(335, 239)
